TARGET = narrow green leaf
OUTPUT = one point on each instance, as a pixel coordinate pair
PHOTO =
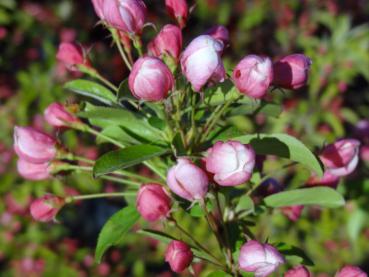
(115, 229)
(283, 146)
(321, 196)
(126, 157)
(135, 126)
(91, 89)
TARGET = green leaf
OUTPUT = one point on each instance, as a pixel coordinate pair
(321, 196)
(158, 235)
(115, 229)
(283, 146)
(126, 157)
(245, 205)
(293, 252)
(91, 89)
(135, 126)
(218, 274)
(197, 211)
(269, 109)
(355, 224)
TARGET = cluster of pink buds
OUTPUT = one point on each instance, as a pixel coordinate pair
(254, 74)
(37, 150)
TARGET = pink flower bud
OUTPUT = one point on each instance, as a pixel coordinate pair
(364, 153)
(293, 213)
(262, 259)
(57, 115)
(328, 180)
(45, 208)
(150, 79)
(253, 75)
(125, 15)
(32, 171)
(341, 157)
(298, 271)
(351, 271)
(167, 42)
(34, 146)
(98, 7)
(220, 33)
(291, 72)
(178, 255)
(72, 55)
(231, 162)
(201, 62)
(178, 10)
(187, 180)
(153, 202)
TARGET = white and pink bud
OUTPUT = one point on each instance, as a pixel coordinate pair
(178, 10)
(45, 209)
(188, 180)
(298, 271)
(150, 79)
(72, 55)
(178, 255)
(168, 42)
(153, 202)
(291, 72)
(220, 33)
(58, 116)
(34, 146)
(341, 158)
(351, 271)
(33, 171)
(98, 7)
(253, 75)
(125, 15)
(262, 259)
(231, 162)
(201, 62)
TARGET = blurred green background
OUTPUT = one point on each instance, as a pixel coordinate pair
(334, 34)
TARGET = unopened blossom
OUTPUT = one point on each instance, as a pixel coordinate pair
(351, 271)
(150, 79)
(201, 62)
(125, 15)
(178, 10)
(178, 255)
(57, 115)
(293, 213)
(341, 158)
(153, 202)
(253, 75)
(34, 146)
(45, 209)
(298, 271)
(72, 55)
(260, 258)
(231, 162)
(168, 42)
(219, 33)
(33, 171)
(291, 72)
(187, 180)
